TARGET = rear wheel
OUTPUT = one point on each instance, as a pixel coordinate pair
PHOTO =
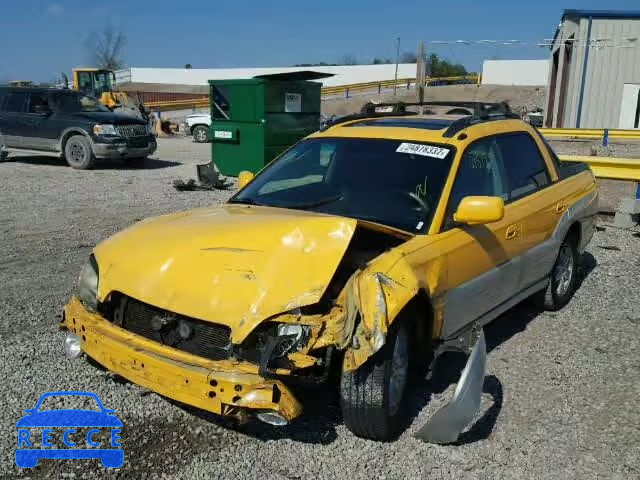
(3, 156)
(78, 153)
(372, 397)
(562, 281)
(201, 134)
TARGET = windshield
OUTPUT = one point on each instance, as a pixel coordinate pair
(391, 182)
(76, 102)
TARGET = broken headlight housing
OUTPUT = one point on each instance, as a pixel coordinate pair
(271, 342)
(88, 283)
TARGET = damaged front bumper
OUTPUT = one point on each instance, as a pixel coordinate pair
(225, 387)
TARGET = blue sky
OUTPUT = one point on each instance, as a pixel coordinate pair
(40, 38)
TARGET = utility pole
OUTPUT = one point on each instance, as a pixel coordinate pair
(395, 83)
(421, 71)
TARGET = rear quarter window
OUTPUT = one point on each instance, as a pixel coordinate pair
(525, 166)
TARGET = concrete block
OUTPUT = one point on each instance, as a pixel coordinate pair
(625, 220)
(629, 205)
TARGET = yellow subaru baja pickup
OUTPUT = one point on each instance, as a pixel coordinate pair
(365, 249)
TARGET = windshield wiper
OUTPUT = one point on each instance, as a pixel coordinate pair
(316, 203)
(247, 201)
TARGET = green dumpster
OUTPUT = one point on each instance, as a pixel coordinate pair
(254, 120)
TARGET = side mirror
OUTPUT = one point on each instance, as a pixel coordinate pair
(479, 210)
(244, 178)
(41, 109)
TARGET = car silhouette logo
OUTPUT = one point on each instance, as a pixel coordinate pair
(31, 448)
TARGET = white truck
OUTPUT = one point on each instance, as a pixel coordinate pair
(197, 124)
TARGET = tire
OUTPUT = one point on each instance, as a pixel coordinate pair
(3, 156)
(78, 153)
(563, 278)
(200, 134)
(372, 404)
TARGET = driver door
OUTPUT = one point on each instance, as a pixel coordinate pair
(482, 269)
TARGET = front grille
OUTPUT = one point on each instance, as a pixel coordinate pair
(131, 130)
(204, 339)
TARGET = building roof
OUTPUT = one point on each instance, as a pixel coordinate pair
(621, 14)
(609, 14)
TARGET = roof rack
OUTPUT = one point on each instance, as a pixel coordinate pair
(476, 112)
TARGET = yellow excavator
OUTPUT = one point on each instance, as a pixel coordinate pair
(99, 83)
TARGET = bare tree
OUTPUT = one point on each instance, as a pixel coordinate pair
(107, 48)
(408, 57)
(348, 59)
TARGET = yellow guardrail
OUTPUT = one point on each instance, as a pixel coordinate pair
(401, 82)
(609, 167)
(178, 104)
(593, 133)
(325, 91)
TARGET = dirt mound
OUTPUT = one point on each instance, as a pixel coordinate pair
(516, 96)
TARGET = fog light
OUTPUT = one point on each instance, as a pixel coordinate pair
(272, 418)
(72, 346)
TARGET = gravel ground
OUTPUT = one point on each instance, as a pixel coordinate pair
(561, 391)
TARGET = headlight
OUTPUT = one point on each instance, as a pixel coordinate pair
(150, 129)
(88, 283)
(285, 329)
(72, 348)
(104, 129)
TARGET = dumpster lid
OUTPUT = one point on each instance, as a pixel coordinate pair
(295, 76)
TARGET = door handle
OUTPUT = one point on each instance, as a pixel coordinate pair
(512, 232)
(560, 207)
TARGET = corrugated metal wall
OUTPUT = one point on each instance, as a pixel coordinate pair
(608, 69)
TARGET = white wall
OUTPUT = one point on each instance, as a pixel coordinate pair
(515, 72)
(344, 75)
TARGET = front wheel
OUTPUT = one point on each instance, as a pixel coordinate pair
(78, 153)
(563, 278)
(3, 156)
(372, 397)
(201, 134)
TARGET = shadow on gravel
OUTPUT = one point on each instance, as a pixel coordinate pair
(483, 427)
(449, 365)
(118, 164)
(315, 426)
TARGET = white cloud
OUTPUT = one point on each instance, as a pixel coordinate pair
(55, 10)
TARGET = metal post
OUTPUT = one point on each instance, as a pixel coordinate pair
(605, 138)
(421, 72)
(638, 191)
(395, 83)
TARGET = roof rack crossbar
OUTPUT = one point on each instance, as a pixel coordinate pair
(480, 112)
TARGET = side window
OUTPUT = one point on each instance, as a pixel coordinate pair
(16, 102)
(3, 96)
(37, 99)
(526, 169)
(480, 173)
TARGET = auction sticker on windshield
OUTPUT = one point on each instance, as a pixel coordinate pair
(424, 150)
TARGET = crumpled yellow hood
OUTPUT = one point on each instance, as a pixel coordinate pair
(234, 265)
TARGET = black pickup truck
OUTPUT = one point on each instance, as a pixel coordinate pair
(69, 125)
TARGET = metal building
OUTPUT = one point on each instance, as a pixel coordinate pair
(594, 78)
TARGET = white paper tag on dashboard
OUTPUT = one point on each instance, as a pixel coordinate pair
(424, 150)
